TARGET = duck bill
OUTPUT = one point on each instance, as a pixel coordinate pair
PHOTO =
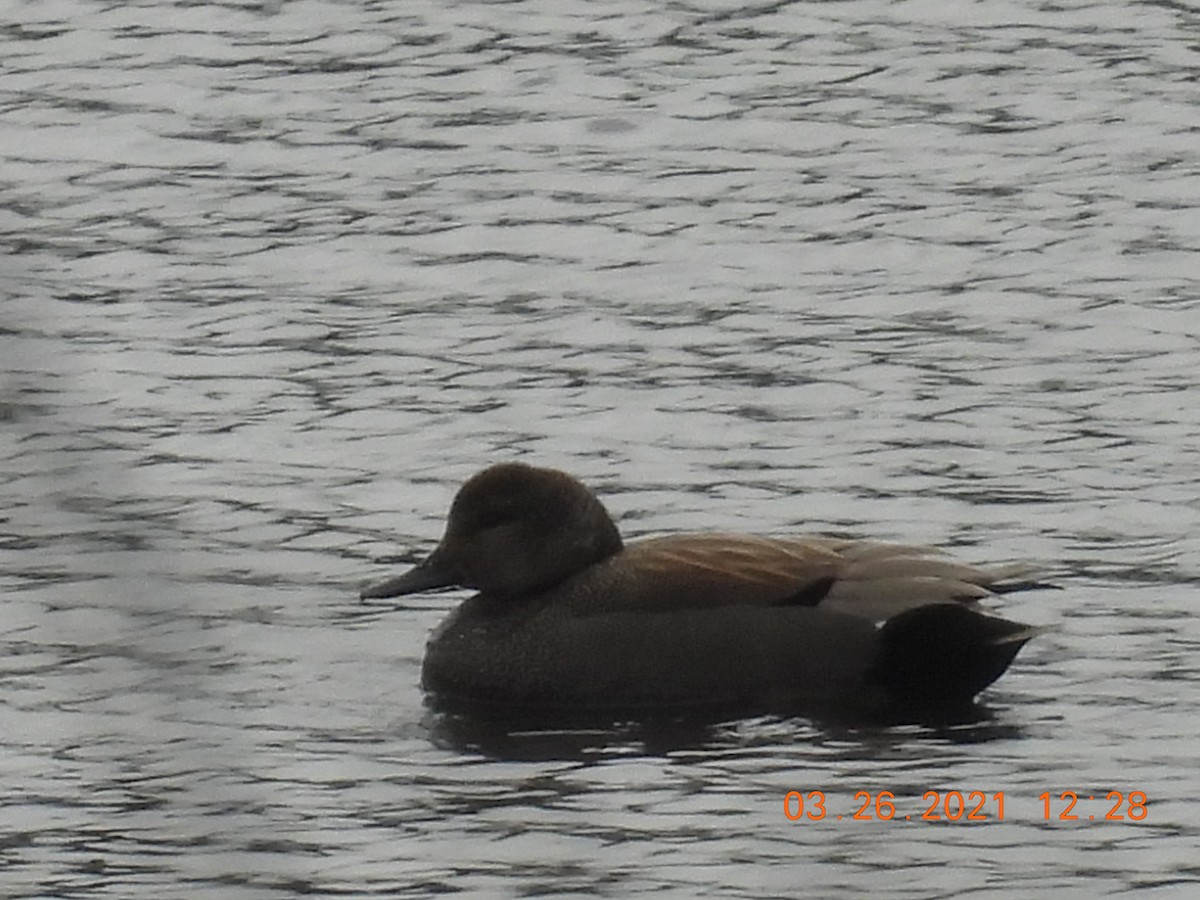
(426, 576)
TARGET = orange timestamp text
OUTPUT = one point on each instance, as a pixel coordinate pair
(968, 806)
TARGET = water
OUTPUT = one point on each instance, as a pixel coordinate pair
(277, 277)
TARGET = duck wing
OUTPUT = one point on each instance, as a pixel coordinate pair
(878, 580)
(865, 579)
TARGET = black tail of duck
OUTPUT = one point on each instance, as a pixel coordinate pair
(944, 654)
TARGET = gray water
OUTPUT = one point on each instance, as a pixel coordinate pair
(277, 277)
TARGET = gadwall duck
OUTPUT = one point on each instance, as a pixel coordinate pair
(569, 618)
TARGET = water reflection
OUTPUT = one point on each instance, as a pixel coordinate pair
(595, 739)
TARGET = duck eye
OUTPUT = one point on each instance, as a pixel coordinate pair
(494, 514)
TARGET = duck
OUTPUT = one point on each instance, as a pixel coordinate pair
(569, 618)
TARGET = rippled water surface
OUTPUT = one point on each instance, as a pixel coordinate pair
(277, 277)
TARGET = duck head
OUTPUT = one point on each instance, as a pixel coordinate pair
(513, 530)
